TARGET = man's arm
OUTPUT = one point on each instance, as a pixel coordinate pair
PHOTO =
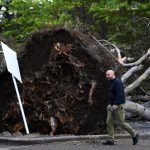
(119, 97)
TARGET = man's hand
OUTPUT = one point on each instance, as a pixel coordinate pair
(114, 107)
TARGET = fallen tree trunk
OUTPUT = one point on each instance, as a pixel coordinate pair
(130, 72)
(132, 107)
(137, 82)
(137, 109)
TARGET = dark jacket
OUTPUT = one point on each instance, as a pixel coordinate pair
(116, 92)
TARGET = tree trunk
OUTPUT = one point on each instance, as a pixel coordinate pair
(130, 72)
(137, 82)
(138, 109)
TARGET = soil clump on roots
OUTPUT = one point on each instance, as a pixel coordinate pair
(58, 68)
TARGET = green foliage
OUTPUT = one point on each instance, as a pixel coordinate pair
(31, 15)
(127, 23)
(121, 21)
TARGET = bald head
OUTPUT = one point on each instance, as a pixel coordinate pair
(110, 74)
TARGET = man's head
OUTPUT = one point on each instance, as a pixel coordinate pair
(110, 74)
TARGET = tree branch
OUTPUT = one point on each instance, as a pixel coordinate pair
(138, 62)
(130, 72)
(138, 109)
(137, 82)
(129, 59)
(144, 91)
(138, 97)
(116, 48)
(144, 18)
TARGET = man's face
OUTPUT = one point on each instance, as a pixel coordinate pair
(110, 75)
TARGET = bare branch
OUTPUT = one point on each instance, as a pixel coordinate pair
(130, 72)
(137, 82)
(144, 18)
(144, 91)
(98, 42)
(129, 59)
(138, 97)
(115, 48)
(126, 60)
(138, 62)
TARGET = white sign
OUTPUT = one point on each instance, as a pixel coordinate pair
(13, 68)
(11, 61)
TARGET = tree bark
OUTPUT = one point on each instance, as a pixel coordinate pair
(138, 109)
(137, 82)
(130, 72)
(138, 62)
(138, 97)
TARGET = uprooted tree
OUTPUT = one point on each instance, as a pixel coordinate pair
(63, 73)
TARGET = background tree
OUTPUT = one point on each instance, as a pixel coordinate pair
(123, 22)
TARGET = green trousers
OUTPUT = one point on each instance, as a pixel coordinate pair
(119, 116)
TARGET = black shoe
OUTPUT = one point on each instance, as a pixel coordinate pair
(108, 142)
(135, 139)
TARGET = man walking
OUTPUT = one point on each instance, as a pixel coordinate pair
(115, 109)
